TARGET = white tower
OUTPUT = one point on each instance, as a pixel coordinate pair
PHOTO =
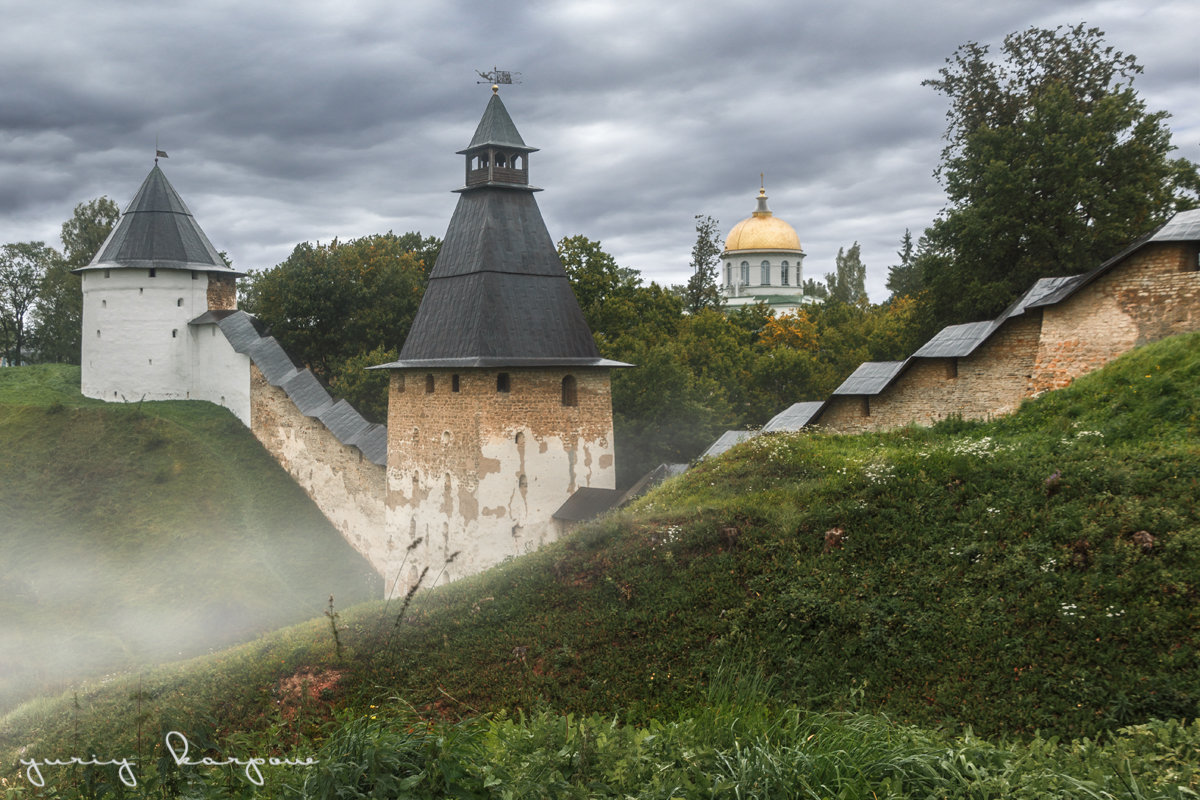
(152, 297)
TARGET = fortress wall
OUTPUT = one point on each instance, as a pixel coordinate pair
(1155, 293)
(347, 487)
(991, 381)
(480, 472)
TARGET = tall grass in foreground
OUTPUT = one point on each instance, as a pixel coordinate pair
(743, 750)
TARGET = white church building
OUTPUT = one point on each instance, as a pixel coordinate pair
(762, 262)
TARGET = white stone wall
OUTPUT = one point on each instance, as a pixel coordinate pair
(731, 273)
(137, 345)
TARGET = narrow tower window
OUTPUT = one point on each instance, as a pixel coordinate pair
(179, 303)
(765, 273)
(454, 383)
(745, 273)
(503, 384)
(570, 391)
(429, 384)
(174, 333)
(783, 273)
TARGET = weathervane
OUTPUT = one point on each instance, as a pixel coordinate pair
(497, 76)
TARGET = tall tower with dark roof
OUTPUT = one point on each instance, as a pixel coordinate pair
(499, 407)
(152, 296)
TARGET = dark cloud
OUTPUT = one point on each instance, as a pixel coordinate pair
(311, 120)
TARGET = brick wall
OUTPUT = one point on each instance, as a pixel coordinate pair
(347, 488)
(993, 380)
(222, 292)
(479, 471)
(1153, 294)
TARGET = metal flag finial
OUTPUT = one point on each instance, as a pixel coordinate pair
(158, 153)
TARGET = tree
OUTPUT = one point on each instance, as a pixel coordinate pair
(329, 304)
(847, 282)
(904, 279)
(813, 288)
(58, 317)
(22, 268)
(701, 291)
(1052, 164)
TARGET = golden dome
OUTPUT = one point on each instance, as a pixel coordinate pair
(762, 231)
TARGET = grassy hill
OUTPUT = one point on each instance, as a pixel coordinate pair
(1031, 577)
(138, 533)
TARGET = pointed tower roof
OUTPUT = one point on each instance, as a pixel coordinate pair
(498, 294)
(158, 231)
(496, 128)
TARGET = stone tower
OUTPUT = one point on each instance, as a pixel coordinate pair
(152, 296)
(499, 407)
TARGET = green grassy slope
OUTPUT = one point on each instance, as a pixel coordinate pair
(1034, 573)
(139, 533)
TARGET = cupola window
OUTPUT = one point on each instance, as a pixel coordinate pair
(783, 274)
(745, 273)
(765, 273)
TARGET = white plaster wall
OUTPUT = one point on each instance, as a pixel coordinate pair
(137, 344)
(731, 273)
(218, 373)
(490, 516)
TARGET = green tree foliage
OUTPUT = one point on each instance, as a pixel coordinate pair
(904, 278)
(330, 305)
(23, 266)
(59, 313)
(1052, 164)
(814, 288)
(701, 291)
(847, 283)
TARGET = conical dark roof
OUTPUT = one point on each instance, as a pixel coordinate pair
(498, 294)
(158, 231)
(496, 128)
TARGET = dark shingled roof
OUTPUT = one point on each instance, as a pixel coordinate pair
(871, 377)
(158, 231)
(496, 128)
(727, 440)
(956, 341)
(586, 503)
(1183, 227)
(794, 417)
(248, 336)
(498, 294)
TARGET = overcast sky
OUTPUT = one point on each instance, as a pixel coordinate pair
(302, 121)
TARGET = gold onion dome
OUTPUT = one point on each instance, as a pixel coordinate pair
(762, 230)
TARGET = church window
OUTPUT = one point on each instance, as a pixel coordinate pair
(153, 272)
(765, 273)
(454, 383)
(783, 273)
(570, 391)
(745, 273)
(728, 274)
(429, 384)
(503, 384)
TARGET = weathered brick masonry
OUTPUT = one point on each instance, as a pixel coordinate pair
(990, 381)
(1154, 294)
(347, 488)
(479, 470)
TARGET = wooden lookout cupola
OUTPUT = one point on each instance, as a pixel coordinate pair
(497, 156)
